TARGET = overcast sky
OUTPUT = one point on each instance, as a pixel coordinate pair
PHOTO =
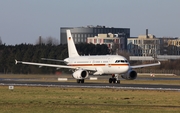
(23, 21)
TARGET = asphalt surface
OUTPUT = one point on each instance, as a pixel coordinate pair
(88, 84)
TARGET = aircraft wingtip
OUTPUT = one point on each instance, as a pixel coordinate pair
(159, 62)
(16, 62)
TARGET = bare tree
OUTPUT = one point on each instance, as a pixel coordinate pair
(48, 41)
(124, 53)
(52, 41)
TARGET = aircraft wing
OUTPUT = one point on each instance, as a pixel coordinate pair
(53, 60)
(145, 65)
(53, 65)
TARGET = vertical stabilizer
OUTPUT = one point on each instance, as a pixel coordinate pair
(71, 46)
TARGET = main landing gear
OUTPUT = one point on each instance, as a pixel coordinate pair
(114, 79)
(80, 80)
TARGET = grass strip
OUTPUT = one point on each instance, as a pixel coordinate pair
(24, 99)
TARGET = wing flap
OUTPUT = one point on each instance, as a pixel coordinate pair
(53, 60)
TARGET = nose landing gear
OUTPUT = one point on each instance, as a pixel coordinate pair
(80, 80)
(114, 79)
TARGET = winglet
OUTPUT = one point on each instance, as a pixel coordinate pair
(16, 62)
(159, 62)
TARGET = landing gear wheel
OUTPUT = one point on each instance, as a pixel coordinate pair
(110, 80)
(114, 80)
(80, 80)
(118, 81)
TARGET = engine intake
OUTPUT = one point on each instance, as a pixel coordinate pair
(130, 75)
(80, 74)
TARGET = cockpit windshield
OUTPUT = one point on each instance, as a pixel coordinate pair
(121, 61)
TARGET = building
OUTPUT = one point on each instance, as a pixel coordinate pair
(174, 46)
(144, 45)
(80, 34)
(164, 45)
(113, 41)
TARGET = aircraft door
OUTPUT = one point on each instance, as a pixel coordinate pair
(109, 62)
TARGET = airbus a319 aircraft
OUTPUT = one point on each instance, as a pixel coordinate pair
(82, 66)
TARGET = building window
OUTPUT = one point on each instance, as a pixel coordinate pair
(135, 41)
(95, 41)
(117, 40)
(78, 39)
(75, 40)
(95, 30)
(82, 39)
(85, 40)
(100, 41)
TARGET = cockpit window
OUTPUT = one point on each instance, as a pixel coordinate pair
(122, 61)
(117, 61)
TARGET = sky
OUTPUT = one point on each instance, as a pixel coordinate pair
(23, 21)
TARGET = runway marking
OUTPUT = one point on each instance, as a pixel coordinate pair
(62, 79)
(93, 78)
(76, 86)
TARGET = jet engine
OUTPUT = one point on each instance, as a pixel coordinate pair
(80, 74)
(130, 75)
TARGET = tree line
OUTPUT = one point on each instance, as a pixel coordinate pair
(34, 53)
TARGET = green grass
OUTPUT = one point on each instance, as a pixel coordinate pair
(24, 99)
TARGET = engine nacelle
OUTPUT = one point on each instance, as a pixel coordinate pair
(130, 75)
(80, 74)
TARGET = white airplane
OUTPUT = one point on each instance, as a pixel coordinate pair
(98, 65)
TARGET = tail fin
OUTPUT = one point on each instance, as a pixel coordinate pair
(71, 46)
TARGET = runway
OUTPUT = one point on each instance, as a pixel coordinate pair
(20, 82)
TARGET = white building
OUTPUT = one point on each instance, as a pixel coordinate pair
(112, 40)
(144, 45)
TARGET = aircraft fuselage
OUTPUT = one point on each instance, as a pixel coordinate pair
(107, 64)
